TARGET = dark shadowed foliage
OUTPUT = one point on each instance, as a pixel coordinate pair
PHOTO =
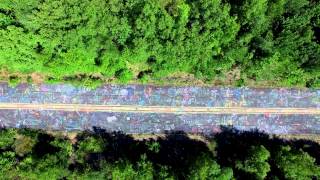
(99, 154)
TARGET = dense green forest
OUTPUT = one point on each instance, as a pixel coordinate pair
(248, 42)
(34, 154)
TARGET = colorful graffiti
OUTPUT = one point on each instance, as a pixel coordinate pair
(157, 123)
(157, 96)
(153, 95)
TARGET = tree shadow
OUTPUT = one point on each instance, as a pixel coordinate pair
(44, 145)
(117, 146)
(233, 144)
(176, 150)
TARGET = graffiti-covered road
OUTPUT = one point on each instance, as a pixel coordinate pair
(158, 109)
(152, 109)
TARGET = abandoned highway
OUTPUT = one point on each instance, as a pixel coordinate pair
(152, 109)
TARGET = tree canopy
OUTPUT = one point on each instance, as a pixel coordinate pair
(273, 43)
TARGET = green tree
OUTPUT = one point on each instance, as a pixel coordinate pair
(145, 169)
(7, 138)
(296, 164)
(23, 145)
(255, 162)
(124, 75)
(205, 168)
(7, 162)
(126, 171)
(87, 146)
(47, 166)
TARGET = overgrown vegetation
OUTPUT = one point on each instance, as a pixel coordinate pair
(33, 154)
(249, 42)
